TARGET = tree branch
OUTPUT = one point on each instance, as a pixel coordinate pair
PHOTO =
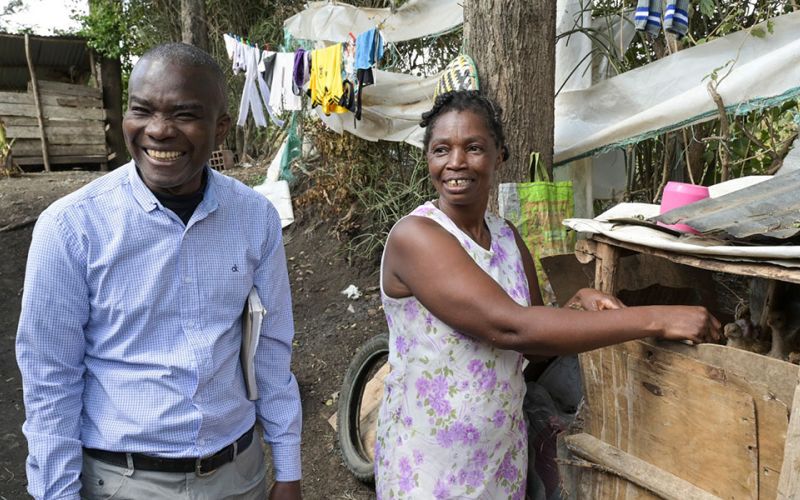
(724, 127)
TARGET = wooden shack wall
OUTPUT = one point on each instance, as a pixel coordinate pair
(74, 124)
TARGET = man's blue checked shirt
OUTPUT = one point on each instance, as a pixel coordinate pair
(130, 329)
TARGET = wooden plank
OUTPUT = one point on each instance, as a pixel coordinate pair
(60, 160)
(633, 469)
(22, 121)
(769, 271)
(370, 405)
(789, 485)
(33, 148)
(69, 89)
(764, 381)
(779, 376)
(37, 104)
(675, 413)
(51, 100)
(88, 133)
(52, 112)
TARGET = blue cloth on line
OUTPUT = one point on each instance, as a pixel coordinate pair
(369, 49)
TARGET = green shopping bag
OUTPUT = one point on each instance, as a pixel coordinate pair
(537, 209)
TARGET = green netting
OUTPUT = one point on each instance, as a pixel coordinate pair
(294, 147)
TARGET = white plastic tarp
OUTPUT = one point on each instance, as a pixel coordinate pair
(784, 255)
(392, 109)
(329, 21)
(671, 92)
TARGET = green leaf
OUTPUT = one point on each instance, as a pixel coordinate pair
(758, 32)
(707, 7)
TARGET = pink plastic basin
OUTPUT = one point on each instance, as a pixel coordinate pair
(678, 194)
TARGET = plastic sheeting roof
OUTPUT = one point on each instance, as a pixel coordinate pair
(331, 22)
(62, 54)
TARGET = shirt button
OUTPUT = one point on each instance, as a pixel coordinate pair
(187, 279)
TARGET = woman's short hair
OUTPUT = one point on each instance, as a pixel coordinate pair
(467, 100)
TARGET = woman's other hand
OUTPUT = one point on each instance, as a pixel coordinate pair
(590, 299)
(692, 323)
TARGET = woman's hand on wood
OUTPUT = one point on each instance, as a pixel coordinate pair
(692, 323)
(590, 299)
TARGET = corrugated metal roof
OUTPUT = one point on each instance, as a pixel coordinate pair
(769, 209)
(67, 55)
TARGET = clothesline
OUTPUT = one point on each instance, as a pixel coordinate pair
(333, 77)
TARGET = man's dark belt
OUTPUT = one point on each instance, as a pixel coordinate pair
(200, 466)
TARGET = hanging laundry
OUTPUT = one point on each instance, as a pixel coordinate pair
(267, 66)
(255, 93)
(349, 92)
(282, 98)
(299, 73)
(648, 16)
(349, 57)
(251, 100)
(326, 79)
(369, 50)
(676, 17)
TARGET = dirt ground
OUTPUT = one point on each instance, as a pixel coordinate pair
(327, 333)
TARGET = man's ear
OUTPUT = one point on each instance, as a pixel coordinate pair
(223, 126)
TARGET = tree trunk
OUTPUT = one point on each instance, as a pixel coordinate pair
(513, 45)
(194, 29)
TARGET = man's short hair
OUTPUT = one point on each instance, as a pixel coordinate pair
(184, 54)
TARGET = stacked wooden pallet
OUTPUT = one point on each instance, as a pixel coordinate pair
(74, 124)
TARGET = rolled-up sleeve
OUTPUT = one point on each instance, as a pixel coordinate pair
(278, 406)
(50, 353)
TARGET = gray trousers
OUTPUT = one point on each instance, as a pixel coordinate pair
(243, 479)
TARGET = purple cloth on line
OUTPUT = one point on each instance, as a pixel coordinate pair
(299, 74)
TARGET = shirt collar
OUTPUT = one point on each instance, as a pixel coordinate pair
(149, 202)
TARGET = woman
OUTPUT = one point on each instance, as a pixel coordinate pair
(463, 307)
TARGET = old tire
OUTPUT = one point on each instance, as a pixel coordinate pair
(366, 362)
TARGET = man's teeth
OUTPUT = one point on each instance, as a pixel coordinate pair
(163, 155)
(457, 182)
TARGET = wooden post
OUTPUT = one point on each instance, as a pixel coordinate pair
(37, 102)
(605, 276)
(789, 484)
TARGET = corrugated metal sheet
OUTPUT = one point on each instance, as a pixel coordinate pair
(769, 209)
(51, 55)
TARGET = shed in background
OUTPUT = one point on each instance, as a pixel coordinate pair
(75, 115)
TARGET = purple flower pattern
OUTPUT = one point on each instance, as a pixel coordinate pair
(445, 428)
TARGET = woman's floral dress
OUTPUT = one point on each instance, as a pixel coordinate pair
(451, 422)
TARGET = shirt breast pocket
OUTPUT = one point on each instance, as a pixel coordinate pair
(227, 281)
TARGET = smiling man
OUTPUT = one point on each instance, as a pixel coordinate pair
(130, 331)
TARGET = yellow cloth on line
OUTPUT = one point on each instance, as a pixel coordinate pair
(326, 79)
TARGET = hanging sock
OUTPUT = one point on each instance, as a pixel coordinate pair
(648, 16)
(641, 15)
(676, 17)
